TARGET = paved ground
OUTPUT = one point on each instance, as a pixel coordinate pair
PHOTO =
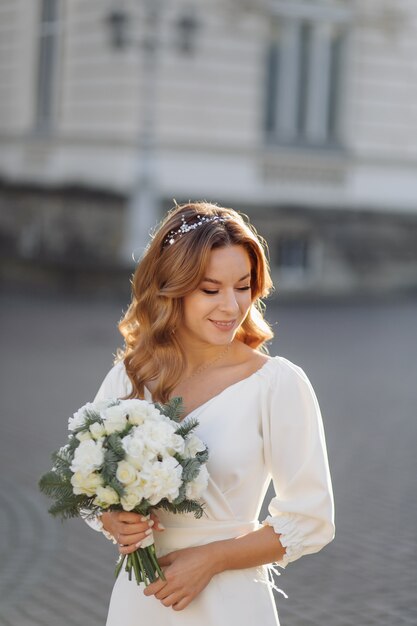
(362, 361)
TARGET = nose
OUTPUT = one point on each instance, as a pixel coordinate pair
(229, 303)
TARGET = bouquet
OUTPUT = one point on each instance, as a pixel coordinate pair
(129, 455)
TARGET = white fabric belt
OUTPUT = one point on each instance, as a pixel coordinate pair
(184, 531)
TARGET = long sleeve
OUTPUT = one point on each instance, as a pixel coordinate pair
(302, 511)
(116, 384)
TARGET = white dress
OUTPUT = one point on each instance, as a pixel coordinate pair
(266, 425)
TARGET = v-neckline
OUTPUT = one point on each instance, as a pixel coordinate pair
(220, 393)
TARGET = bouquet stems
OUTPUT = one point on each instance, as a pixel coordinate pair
(144, 565)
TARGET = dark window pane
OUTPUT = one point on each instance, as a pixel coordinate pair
(303, 76)
(271, 88)
(293, 253)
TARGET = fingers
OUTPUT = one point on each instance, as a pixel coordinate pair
(130, 543)
(127, 529)
(165, 560)
(129, 517)
(158, 524)
(154, 588)
(181, 604)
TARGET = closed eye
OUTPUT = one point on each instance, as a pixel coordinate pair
(213, 292)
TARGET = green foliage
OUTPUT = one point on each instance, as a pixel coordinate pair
(53, 484)
(58, 487)
(66, 508)
(191, 469)
(186, 427)
(181, 495)
(109, 468)
(115, 445)
(186, 506)
(91, 417)
(203, 456)
(174, 409)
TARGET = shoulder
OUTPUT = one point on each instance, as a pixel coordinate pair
(116, 383)
(290, 394)
(278, 369)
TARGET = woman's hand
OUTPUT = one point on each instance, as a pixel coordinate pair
(129, 529)
(187, 572)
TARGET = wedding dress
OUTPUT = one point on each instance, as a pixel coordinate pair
(266, 425)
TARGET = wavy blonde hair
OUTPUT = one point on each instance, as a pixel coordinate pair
(166, 274)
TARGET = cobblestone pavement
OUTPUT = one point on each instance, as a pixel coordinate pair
(361, 358)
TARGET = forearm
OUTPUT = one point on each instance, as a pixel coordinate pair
(256, 548)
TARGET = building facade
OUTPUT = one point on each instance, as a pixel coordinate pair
(300, 113)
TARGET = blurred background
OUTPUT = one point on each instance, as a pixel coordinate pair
(303, 115)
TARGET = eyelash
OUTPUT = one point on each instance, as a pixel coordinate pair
(212, 293)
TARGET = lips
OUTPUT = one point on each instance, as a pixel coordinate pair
(221, 325)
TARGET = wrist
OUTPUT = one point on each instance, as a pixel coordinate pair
(217, 557)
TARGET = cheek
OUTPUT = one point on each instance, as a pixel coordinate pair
(245, 301)
(194, 308)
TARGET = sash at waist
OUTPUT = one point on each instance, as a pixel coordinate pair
(185, 531)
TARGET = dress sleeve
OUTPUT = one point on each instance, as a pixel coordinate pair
(302, 511)
(116, 384)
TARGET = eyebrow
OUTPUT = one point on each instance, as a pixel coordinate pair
(218, 282)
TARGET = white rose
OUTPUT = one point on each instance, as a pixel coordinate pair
(85, 484)
(193, 445)
(84, 435)
(106, 496)
(126, 473)
(97, 430)
(89, 456)
(195, 488)
(130, 499)
(114, 418)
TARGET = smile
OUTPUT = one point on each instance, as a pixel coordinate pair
(223, 325)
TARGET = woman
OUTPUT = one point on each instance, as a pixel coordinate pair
(194, 329)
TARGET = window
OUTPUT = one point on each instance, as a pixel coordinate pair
(304, 68)
(293, 254)
(46, 63)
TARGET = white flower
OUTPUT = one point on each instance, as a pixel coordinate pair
(193, 445)
(131, 498)
(97, 430)
(160, 437)
(126, 473)
(138, 411)
(134, 447)
(114, 418)
(195, 488)
(86, 484)
(77, 420)
(164, 481)
(83, 435)
(89, 456)
(106, 496)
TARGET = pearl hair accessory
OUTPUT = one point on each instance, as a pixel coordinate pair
(174, 235)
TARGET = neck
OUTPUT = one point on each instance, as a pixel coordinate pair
(198, 356)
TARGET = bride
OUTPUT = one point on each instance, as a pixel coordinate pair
(195, 329)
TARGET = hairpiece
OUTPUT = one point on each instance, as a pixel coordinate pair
(174, 235)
